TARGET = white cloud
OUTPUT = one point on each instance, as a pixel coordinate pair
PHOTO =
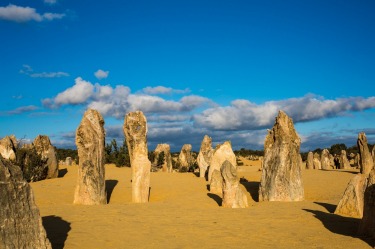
(22, 109)
(116, 102)
(26, 69)
(77, 94)
(52, 16)
(100, 74)
(20, 14)
(50, 1)
(244, 115)
(163, 90)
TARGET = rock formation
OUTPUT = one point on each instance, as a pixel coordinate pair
(216, 184)
(221, 153)
(351, 203)
(20, 221)
(233, 195)
(344, 162)
(135, 130)
(281, 175)
(185, 159)
(366, 161)
(90, 141)
(8, 148)
(44, 148)
(357, 160)
(316, 161)
(332, 161)
(68, 161)
(204, 156)
(367, 224)
(167, 159)
(325, 160)
(373, 154)
(310, 160)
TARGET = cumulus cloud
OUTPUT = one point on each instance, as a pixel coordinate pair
(244, 115)
(163, 90)
(100, 74)
(20, 14)
(26, 69)
(77, 94)
(116, 102)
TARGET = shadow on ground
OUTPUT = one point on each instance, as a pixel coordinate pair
(329, 207)
(340, 225)
(215, 198)
(62, 172)
(252, 188)
(109, 186)
(57, 230)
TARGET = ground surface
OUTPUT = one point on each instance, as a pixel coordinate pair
(183, 214)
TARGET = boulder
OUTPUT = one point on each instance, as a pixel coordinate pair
(281, 175)
(8, 148)
(34, 167)
(310, 160)
(325, 160)
(20, 221)
(185, 159)
(90, 141)
(204, 156)
(366, 161)
(233, 193)
(351, 203)
(135, 130)
(44, 148)
(344, 162)
(221, 153)
(165, 150)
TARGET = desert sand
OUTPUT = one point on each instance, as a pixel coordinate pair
(183, 214)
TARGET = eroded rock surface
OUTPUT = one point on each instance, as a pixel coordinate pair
(185, 159)
(45, 149)
(90, 141)
(367, 224)
(164, 151)
(8, 148)
(233, 193)
(325, 159)
(310, 160)
(366, 161)
(351, 203)
(281, 175)
(135, 130)
(344, 162)
(221, 153)
(204, 156)
(20, 221)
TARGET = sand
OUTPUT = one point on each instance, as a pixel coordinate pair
(183, 214)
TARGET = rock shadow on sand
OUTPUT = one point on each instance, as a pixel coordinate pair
(340, 225)
(252, 188)
(62, 173)
(57, 230)
(109, 186)
(216, 198)
(329, 207)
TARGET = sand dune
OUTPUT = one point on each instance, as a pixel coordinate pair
(183, 214)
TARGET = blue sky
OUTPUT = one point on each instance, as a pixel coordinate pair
(222, 68)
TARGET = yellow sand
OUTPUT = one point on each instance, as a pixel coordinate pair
(183, 214)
